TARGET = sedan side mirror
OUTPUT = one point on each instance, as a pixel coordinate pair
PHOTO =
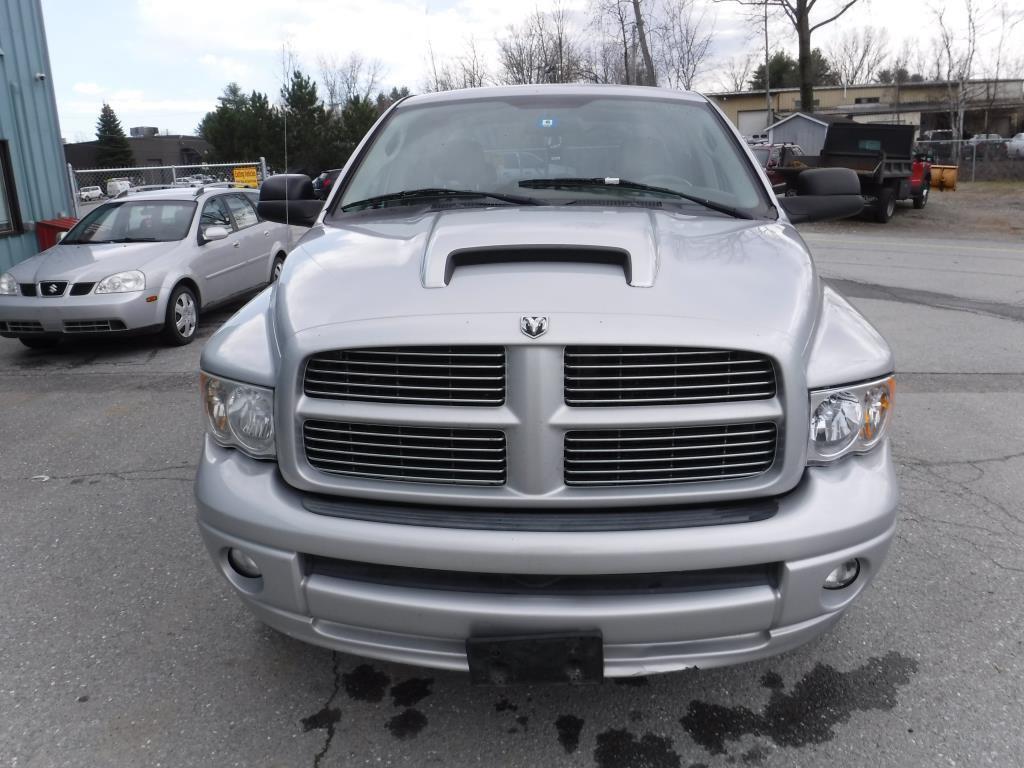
(215, 232)
(823, 194)
(288, 198)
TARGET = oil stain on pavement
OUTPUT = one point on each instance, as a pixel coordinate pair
(822, 699)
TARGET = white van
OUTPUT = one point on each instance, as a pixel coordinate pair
(117, 186)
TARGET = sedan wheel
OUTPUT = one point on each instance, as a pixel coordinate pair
(278, 268)
(182, 317)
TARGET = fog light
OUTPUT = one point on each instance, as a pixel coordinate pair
(243, 564)
(844, 575)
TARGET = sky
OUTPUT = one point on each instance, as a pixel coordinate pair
(164, 62)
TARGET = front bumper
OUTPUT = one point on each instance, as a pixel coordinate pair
(78, 315)
(835, 513)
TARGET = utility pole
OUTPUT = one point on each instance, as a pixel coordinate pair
(767, 79)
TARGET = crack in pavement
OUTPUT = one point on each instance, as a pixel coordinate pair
(933, 299)
(120, 474)
(327, 718)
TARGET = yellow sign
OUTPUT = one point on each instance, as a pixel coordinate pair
(246, 175)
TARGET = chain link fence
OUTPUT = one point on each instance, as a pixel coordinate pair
(990, 159)
(92, 186)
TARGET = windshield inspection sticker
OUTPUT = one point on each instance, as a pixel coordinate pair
(547, 122)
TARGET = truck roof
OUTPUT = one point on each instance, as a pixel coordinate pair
(574, 89)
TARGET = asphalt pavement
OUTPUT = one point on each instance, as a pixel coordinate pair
(121, 646)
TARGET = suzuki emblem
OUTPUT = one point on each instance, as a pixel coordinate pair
(533, 325)
(53, 288)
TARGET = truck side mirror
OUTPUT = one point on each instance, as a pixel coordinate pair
(288, 198)
(823, 194)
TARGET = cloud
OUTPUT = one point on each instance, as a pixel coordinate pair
(141, 105)
(87, 89)
(224, 66)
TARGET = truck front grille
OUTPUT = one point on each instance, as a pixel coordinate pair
(413, 454)
(450, 375)
(668, 455)
(624, 375)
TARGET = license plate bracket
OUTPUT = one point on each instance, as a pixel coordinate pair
(576, 659)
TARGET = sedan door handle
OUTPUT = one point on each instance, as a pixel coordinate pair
(235, 245)
(266, 234)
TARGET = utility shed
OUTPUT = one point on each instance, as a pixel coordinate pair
(34, 183)
(806, 130)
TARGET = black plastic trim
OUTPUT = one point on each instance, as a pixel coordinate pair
(544, 520)
(672, 582)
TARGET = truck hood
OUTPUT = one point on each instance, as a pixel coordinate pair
(89, 263)
(756, 274)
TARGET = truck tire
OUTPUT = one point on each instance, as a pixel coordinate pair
(885, 206)
(921, 199)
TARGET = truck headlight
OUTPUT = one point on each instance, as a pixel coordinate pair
(122, 282)
(239, 415)
(8, 285)
(851, 419)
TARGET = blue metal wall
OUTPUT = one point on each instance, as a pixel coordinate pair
(28, 121)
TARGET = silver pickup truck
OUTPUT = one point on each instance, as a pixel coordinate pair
(551, 390)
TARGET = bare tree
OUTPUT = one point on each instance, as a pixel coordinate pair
(650, 73)
(798, 13)
(736, 72)
(614, 22)
(543, 49)
(347, 78)
(998, 66)
(856, 54)
(957, 48)
(684, 34)
(467, 70)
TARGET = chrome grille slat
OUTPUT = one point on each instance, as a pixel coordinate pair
(441, 375)
(632, 376)
(668, 454)
(411, 454)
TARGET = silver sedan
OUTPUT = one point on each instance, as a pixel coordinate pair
(148, 263)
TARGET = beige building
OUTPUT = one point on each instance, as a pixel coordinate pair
(993, 106)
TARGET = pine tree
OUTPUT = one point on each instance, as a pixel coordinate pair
(114, 150)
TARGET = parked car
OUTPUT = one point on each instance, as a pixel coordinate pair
(322, 183)
(1015, 146)
(771, 157)
(116, 187)
(988, 146)
(85, 194)
(605, 423)
(148, 263)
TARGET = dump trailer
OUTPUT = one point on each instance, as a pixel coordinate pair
(883, 157)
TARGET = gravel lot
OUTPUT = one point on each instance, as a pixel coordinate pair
(121, 646)
(991, 210)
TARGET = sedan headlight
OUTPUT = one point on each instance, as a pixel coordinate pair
(239, 415)
(122, 282)
(850, 419)
(8, 285)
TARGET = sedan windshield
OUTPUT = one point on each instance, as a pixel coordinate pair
(140, 221)
(491, 145)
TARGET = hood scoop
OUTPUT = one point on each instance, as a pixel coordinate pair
(543, 236)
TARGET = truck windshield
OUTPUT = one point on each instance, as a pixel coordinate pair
(490, 145)
(134, 222)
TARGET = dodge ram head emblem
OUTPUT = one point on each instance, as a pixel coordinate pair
(533, 325)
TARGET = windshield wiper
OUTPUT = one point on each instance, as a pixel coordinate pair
(615, 183)
(436, 192)
(134, 240)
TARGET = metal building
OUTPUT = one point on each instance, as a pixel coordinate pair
(34, 183)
